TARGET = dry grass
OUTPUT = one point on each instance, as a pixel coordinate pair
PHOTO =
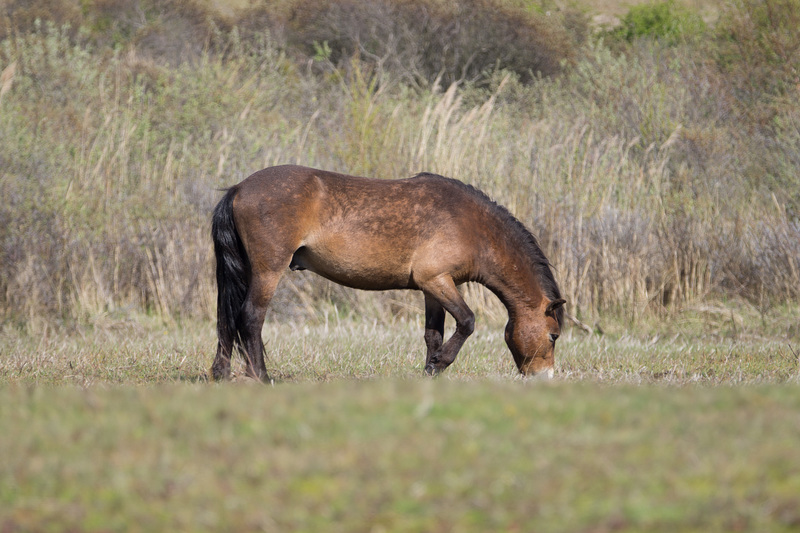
(702, 345)
(709, 9)
(632, 169)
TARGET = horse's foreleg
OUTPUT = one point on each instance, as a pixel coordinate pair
(434, 327)
(443, 291)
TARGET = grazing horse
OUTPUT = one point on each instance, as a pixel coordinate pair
(428, 233)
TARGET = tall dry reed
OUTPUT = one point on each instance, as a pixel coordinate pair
(111, 164)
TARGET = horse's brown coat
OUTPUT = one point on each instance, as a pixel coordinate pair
(427, 232)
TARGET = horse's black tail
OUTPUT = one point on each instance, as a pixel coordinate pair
(233, 273)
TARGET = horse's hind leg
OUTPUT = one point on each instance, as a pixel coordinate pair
(259, 295)
(443, 290)
(221, 367)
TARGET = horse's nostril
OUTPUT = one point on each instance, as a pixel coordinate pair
(553, 337)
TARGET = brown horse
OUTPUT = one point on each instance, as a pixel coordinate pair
(428, 233)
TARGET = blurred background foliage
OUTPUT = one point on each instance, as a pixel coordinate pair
(654, 154)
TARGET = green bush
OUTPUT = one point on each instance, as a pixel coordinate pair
(661, 20)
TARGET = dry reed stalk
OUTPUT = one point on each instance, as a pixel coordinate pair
(7, 79)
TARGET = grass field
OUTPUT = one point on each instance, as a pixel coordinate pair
(723, 348)
(402, 454)
(116, 428)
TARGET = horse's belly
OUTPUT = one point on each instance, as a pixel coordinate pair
(374, 269)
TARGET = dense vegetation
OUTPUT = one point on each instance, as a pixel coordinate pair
(657, 162)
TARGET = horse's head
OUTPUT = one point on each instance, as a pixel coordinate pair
(531, 337)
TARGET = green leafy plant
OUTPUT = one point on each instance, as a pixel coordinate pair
(661, 20)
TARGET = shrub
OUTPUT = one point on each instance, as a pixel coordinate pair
(758, 54)
(21, 15)
(418, 40)
(423, 41)
(759, 50)
(660, 20)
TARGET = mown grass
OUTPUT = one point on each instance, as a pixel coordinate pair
(400, 455)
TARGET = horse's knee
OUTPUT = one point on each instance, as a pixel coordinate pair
(467, 325)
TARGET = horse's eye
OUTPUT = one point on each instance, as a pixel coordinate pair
(553, 337)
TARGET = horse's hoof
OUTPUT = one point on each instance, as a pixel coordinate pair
(263, 377)
(220, 375)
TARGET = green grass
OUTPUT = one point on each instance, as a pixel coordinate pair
(400, 455)
(689, 426)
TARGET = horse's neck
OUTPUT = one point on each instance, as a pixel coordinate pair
(512, 277)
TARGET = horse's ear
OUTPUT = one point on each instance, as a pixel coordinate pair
(552, 306)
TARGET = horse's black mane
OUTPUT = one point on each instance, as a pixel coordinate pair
(522, 234)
